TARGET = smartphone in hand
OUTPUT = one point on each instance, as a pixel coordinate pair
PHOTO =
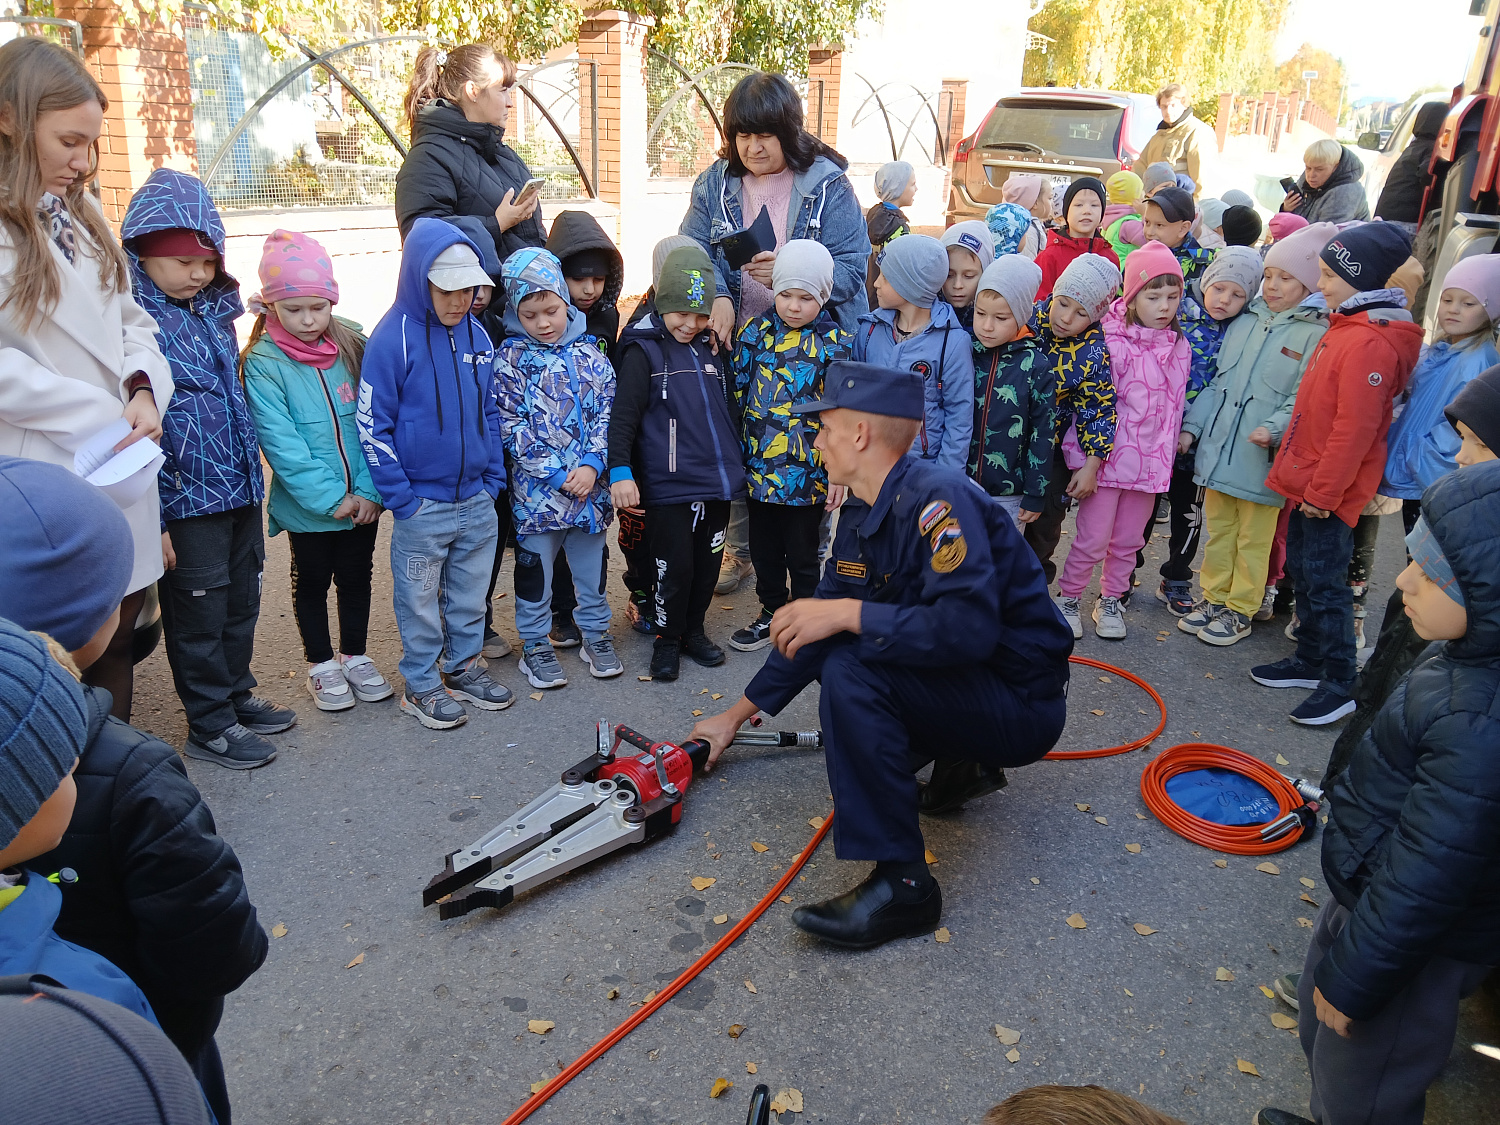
(527, 193)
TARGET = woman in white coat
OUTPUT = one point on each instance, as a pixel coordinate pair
(76, 352)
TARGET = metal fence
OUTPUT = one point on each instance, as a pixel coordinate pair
(684, 130)
(910, 116)
(65, 33)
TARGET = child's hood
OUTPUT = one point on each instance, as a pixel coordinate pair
(1138, 338)
(575, 231)
(171, 200)
(427, 239)
(531, 271)
(1463, 510)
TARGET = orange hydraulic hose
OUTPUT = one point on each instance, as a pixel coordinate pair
(1125, 747)
(1236, 840)
(579, 1065)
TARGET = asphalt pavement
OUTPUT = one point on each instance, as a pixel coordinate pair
(371, 1009)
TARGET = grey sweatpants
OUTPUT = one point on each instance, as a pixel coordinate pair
(1380, 1075)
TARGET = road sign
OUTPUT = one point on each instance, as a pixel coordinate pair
(1309, 75)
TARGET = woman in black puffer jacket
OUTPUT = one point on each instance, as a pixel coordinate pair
(456, 106)
(1411, 851)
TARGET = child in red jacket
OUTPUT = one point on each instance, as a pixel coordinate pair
(1078, 232)
(1332, 456)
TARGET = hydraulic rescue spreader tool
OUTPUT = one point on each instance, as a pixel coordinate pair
(627, 792)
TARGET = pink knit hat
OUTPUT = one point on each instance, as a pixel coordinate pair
(1478, 276)
(295, 265)
(1297, 253)
(1023, 188)
(1284, 223)
(1152, 260)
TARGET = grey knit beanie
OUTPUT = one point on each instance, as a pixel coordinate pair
(1016, 279)
(803, 264)
(1237, 264)
(915, 266)
(663, 248)
(1090, 279)
(1157, 175)
(43, 725)
(891, 180)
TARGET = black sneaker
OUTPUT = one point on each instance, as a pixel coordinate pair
(1289, 672)
(666, 659)
(702, 650)
(1327, 705)
(755, 635)
(261, 716)
(1178, 597)
(565, 634)
(1270, 1116)
(236, 748)
(1285, 988)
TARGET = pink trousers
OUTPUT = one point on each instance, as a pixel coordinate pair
(1276, 570)
(1111, 528)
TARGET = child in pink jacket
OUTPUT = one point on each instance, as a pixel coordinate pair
(1149, 363)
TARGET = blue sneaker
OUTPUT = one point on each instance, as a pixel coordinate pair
(1328, 704)
(1289, 672)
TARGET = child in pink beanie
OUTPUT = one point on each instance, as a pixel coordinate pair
(1150, 361)
(1284, 223)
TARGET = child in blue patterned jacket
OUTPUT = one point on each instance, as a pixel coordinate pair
(555, 388)
(779, 363)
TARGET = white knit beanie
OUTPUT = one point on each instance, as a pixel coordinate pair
(1090, 279)
(973, 236)
(806, 265)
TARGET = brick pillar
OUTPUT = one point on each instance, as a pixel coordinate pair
(1221, 120)
(1293, 109)
(144, 74)
(825, 67)
(616, 41)
(951, 102)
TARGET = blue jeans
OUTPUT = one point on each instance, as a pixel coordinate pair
(536, 554)
(440, 563)
(1317, 558)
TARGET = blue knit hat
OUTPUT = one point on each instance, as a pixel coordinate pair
(1366, 255)
(68, 551)
(43, 725)
(915, 266)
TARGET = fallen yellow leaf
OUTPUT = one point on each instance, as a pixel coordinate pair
(1208, 675)
(942, 935)
(717, 695)
(1143, 929)
(612, 994)
(703, 691)
(650, 996)
(703, 882)
(536, 695)
(1142, 816)
(751, 1068)
(1307, 898)
(816, 822)
(279, 930)
(788, 1099)
(359, 959)
(736, 1030)
(1283, 1021)
(1013, 1055)
(1221, 863)
(1130, 994)
(930, 857)
(1268, 867)
(644, 679)
(1133, 849)
(1082, 808)
(757, 846)
(538, 1087)
(1105, 680)
(720, 919)
(1036, 882)
(719, 1086)
(1280, 761)
(1306, 882)
(696, 713)
(1222, 973)
(1246, 1067)
(539, 1027)
(1077, 922)
(1096, 711)
(1305, 923)
(787, 899)
(1007, 1035)
(750, 986)
(1101, 820)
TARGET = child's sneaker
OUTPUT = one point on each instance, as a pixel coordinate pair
(755, 635)
(476, 685)
(1227, 627)
(236, 748)
(1292, 626)
(702, 650)
(496, 647)
(1109, 619)
(1072, 615)
(1285, 988)
(1324, 706)
(435, 709)
(666, 659)
(639, 616)
(365, 680)
(1288, 672)
(565, 634)
(1204, 612)
(327, 686)
(540, 665)
(1178, 597)
(1267, 608)
(261, 716)
(599, 654)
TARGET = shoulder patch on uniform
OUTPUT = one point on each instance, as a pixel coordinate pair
(932, 515)
(948, 547)
(849, 568)
(1374, 378)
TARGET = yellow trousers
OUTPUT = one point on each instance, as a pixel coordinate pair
(1238, 551)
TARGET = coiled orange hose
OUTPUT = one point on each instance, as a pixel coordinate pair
(1124, 747)
(1234, 839)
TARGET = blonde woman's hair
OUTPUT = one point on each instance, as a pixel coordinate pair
(441, 72)
(38, 77)
(1325, 151)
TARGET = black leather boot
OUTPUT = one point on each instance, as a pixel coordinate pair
(871, 914)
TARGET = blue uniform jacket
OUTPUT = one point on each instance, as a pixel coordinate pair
(947, 580)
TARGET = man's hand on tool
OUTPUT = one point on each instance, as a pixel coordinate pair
(807, 620)
(719, 730)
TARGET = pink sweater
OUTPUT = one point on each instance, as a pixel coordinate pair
(1149, 368)
(774, 193)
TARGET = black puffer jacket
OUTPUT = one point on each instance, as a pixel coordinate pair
(1412, 846)
(461, 167)
(158, 892)
(575, 231)
(1401, 198)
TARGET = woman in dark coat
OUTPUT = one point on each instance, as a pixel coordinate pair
(1401, 198)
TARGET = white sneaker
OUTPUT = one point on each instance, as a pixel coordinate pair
(365, 680)
(328, 687)
(1267, 608)
(1109, 619)
(1072, 615)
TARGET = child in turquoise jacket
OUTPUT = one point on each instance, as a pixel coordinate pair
(301, 372)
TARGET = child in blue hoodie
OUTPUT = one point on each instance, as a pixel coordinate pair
(211, 484)
(431, 436)
(914, 329)
(554, 388)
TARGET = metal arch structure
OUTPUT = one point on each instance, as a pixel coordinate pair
(692, 84)
(321, 59)
(72, 27)
(896, 150)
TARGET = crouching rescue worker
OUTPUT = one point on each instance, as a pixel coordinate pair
(934, 639)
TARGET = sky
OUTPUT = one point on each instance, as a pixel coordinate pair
(1390, 48)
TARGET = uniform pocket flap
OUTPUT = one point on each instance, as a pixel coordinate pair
(199, 577)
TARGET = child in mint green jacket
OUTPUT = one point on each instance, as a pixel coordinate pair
(301, 373)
